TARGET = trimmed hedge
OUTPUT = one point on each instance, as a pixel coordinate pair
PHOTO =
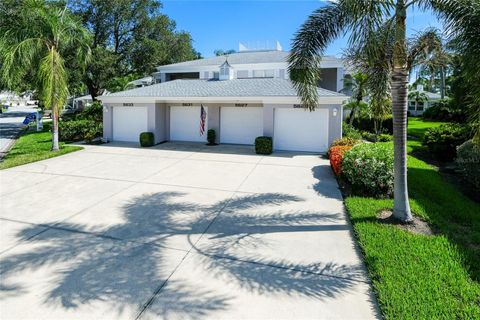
(442, 141)
(77, 130)
(147, 139)
(346, 141)
(445, 110)
(263, 145)
(372, 137)
(368, 167)
(335, 155)
(211, 136)
(367, 124)
(468, 161)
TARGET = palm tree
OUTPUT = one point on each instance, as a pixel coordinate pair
(418, 97)
(431, 55)
(39, 41)
(357, 84)
(364, 19)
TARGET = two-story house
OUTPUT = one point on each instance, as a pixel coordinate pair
(244, 95)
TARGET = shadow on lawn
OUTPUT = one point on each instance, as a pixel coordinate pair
(91, 268)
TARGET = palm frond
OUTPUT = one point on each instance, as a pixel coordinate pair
(324, 25)
(54, 80)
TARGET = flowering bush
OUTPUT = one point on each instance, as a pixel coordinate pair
(335, 155)
(369, 169)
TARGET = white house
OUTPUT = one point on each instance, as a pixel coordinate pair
(417, 109)
(245, 95)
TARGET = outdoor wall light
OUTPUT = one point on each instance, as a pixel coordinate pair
(335, 110)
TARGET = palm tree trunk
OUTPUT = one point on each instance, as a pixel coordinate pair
(55, 146)
(442, 82)
(352, 114)
(401, 207)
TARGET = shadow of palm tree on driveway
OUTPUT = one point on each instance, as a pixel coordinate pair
(126, 264)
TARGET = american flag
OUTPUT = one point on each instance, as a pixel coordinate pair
(203, 117)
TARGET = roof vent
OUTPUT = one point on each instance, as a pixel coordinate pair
(226, 71)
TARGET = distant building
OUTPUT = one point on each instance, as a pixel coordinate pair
(419, 108)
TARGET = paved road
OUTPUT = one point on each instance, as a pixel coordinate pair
(11, 125)
(178, 232)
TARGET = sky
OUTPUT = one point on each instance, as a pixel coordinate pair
(222, 24)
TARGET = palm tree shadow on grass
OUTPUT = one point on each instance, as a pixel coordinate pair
(89, 268)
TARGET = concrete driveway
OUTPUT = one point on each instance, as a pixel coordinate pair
(178, 231)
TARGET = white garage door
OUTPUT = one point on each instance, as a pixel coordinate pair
(129, 122)
(185, 124)
(240, 125)
(300, 130)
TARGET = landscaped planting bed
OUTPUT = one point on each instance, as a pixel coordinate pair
(422, 276)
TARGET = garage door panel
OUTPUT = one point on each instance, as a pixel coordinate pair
(129, 122)
(240, 125)
(301, 130)
(185, 124)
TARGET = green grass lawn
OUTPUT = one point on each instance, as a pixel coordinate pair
(417, 126)
(419, 276)
(34, 146)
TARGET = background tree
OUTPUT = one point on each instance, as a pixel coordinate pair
(40, 37)
(220, 52)
(366, 20)
(357, 85)
(129, 37)
(432, 58)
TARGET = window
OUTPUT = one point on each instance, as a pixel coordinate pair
(216, 75)
(242, 74)
(269, 73)
(420, 108)
(412, 108)
(259, 73)
(420, 104)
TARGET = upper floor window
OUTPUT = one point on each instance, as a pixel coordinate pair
(242, 74)
(264, 73)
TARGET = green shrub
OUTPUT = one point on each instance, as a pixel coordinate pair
(345, 141)
(350, 132)
(77, 130)
(211, 136)
(263, 145)
(442, 141)
(445, 110)
(93, 112)
(384, 137)
(369, 136)
(367, 124)
(372, 137)
(468, 161)
(368, 167)
(147, 139)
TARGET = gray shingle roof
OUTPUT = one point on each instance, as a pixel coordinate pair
(239, 58)
(263, 87)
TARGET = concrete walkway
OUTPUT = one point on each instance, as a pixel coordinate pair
(178, 231)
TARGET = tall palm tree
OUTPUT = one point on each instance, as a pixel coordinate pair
(38, 41)
(364, 18)
(431, 55)
(357, 84)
